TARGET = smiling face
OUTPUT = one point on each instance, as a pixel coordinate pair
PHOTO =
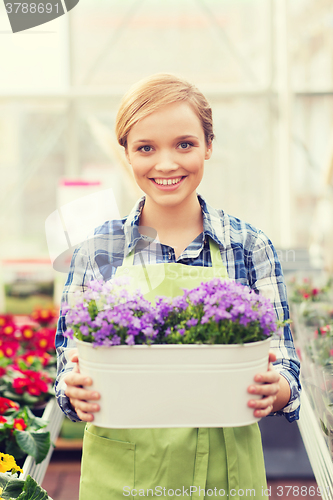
(167, 150)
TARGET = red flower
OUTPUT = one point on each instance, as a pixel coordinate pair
(9, 349)
(44, 316)
(324, 330)
(27, 332)
(35, 383)
(19, 424)
(306, 295)
(20, 385)
(2, 371)
(9, 329)
(44, 339)
(37, 388)
(315, 291)
(3, 420)
(6, 404)
(5, 319)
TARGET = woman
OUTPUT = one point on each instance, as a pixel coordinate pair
(165, 126)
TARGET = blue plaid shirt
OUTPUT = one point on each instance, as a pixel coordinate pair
(247, 253)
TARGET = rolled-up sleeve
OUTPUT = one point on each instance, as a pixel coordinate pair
(266, 277)
(80, 274)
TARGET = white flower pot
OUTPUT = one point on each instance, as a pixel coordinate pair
(173, 385)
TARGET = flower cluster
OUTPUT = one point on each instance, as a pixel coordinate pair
(110, 315)
(320, 347)
(305, 290)
(27, 359)
(8, 463)
(21, 433)
(221, 312)
(217, 312)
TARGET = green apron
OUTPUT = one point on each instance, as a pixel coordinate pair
(183, 462)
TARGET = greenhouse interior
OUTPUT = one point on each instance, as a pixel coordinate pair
(266, 69)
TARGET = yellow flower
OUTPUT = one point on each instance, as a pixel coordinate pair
(7, 463)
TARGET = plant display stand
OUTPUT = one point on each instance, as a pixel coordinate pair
(55, 416)
(316, 447)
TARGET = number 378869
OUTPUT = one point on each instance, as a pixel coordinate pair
(299, 491)
(31, 8)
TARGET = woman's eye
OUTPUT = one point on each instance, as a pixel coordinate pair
(145, 149)
(185, 145)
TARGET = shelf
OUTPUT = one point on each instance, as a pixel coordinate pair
(315, 445)
(55, 416)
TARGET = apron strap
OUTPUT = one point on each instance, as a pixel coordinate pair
(215, 254)
(129, 259)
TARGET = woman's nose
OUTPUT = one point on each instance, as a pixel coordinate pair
(165, 162)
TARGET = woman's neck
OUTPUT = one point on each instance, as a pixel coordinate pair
(176, 226)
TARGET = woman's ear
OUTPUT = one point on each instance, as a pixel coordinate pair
(209, 151)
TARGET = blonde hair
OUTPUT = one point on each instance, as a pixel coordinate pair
(151, 94)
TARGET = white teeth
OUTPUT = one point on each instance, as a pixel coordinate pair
(167, 182)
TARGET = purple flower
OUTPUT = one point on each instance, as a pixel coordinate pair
(69, 333)
(192, 322)
(220, 311)
(84, 330)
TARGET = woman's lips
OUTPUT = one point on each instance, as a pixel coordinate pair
(169, 183)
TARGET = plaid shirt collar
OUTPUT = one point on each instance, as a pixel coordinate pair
(213, 224)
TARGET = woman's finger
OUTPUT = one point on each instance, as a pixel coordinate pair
(81, 394)
(264, 389)
(84, 406)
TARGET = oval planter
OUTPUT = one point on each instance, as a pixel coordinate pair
(173, 385)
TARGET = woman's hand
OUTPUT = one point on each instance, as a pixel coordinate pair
(273, 388)
(81, 399)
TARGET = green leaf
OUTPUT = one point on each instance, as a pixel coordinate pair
(324, 428)
(12, 448)
(33, 421)
(27, 399)
(32, 491)
(11, 485)
(36, 444)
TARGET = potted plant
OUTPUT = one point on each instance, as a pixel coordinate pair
(182, 362)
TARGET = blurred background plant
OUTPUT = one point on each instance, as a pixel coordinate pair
(27, 358)
(311, 301)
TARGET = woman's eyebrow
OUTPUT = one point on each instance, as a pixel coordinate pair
(139, 141)
(183, 137)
